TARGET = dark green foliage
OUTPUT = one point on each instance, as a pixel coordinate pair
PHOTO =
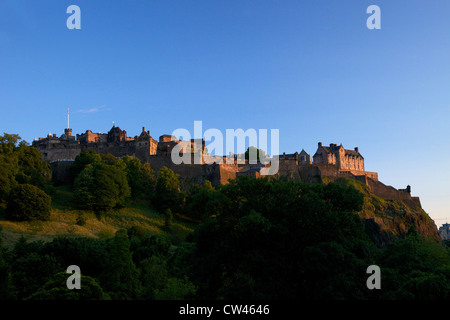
(27, 202)
(82, 161)
(262, 244)
(204, 201)
(146, 247)
(415, 269)
(121, 277)
(32, 168)
(56, 289)
(90, 254)
(21, 164)
(101, 187)
(8, 171)
(255, 153)
(31, 271)
(168, 216)
(141, 177)
(176, 289)
(6, 291)
(137, 231)
(153, 276)
(167, 192)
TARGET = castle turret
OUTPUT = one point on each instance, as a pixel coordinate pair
(68, 132)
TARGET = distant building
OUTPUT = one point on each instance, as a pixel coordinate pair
(445, 231)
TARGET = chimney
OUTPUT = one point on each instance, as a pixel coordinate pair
(356, 149)
(320, 144)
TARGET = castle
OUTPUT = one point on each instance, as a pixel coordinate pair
(328, 162)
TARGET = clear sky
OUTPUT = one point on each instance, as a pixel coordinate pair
(311, 69)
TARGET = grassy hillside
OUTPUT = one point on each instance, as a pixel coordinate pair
(64, 222)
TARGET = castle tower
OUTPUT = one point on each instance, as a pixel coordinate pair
(68, 131)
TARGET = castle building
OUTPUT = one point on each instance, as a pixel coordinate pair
(328, 163)
(115, 142)
(331, 161)
(344, 159)
(349, 162)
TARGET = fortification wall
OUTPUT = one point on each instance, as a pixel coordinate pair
(61, 152)
(226, 172)
(194, 172)
(388, 192)
(118, 149)
(328, 170)
(289, 168)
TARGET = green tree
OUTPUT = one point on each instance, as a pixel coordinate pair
(8, 142)
(167, 191)
(27, 202)
(121, 277)
(31, 271)
(141, 177)
(32, 167)
(153, 276)
(82, 161)
(204, 201)
(56, 289)
(272, 240)
(255, 152)
(21, 164)
(415, 268)
(9, 168)
(88, 253)
(176, 289)
(101, 187)
(6, 291)
(168, 217)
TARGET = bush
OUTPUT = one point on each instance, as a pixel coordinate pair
(27, 202)
(137, 231)
(168, 219)
(81, 220)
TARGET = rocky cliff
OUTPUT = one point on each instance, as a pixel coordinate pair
(388, 219)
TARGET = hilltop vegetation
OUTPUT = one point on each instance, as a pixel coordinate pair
(391, 219)
(136, 235)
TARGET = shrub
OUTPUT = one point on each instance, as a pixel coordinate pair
(81, 220)
(27, 202)
(137, 231)
(168, 219)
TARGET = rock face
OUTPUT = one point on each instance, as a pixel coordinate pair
(388, 219)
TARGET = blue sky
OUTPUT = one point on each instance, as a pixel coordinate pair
(311, 69)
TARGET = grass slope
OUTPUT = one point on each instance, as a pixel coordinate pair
(64, 217)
